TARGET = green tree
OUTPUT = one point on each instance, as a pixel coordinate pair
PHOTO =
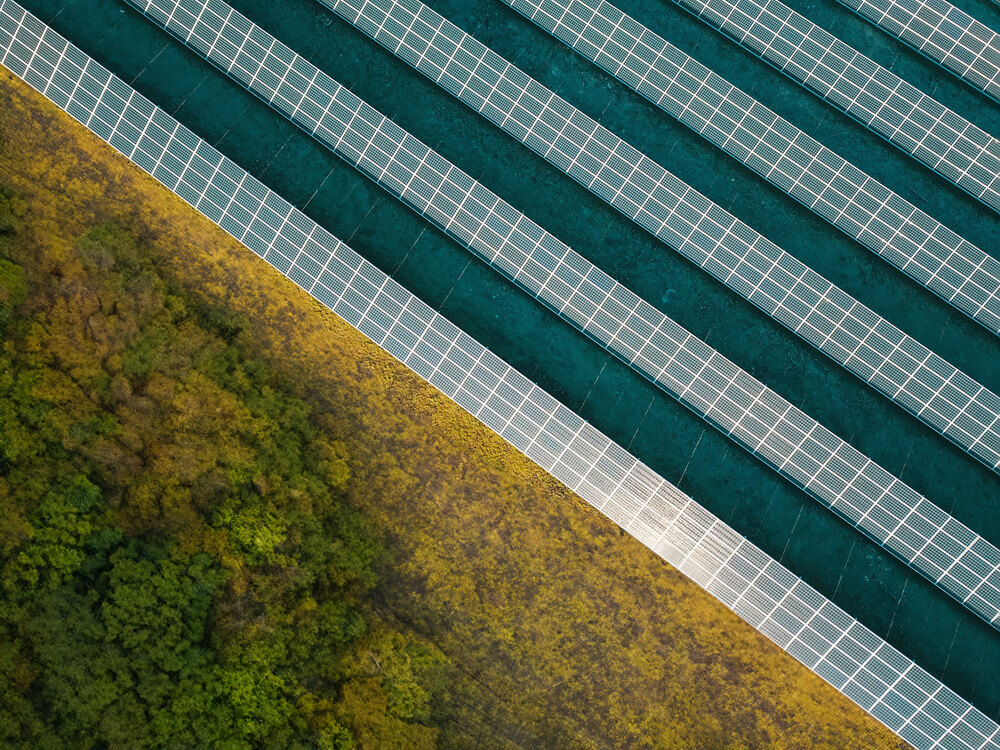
(178, 567)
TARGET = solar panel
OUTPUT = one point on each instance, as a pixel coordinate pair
(687, 368)
(803, 622)
(844, 195)
(950, 37)
(947, 143)
(748, 263)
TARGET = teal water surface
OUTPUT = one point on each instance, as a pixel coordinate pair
(885, 595)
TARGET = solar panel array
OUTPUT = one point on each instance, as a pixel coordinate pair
(947, 552)
(757, 269)
(947, 143)
(750, 264)
(948, 36)
(851, 200)
(812, 629)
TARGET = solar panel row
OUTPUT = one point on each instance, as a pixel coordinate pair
(790, 292)
(948, 36)
(958, 560)
(851, 200)
(883, 681)
(946, 142)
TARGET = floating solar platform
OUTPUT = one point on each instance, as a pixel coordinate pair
(891, 687)
(950, 37)
(857, 204)
(882, 101)
(959, 561)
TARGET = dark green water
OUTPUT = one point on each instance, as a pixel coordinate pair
(895, 602)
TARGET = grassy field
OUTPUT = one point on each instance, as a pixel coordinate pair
(562, 632)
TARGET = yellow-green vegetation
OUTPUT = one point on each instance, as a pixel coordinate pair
(179, 566)
(503, 612)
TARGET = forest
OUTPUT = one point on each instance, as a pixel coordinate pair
(179, 567)
(230, 521)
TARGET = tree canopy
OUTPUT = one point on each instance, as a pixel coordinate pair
(178, 567)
